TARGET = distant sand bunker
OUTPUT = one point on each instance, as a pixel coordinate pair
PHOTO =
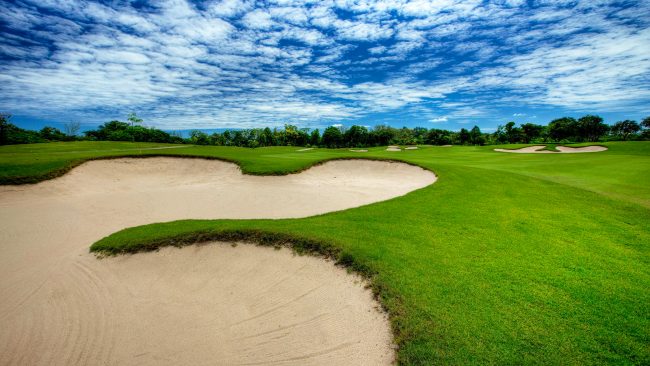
(561, 149)
(208, 304)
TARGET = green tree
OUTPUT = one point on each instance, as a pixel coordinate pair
(356, 136)
(530, 132)
(463, 136)
(564, 128)
(645, 124)
(199, 138)
(476, 137)
(314, 139)
(405, 136)
(591, 128)
(4, 127)
(512, 133)
(438, 137)
(383, 135)
(332, 137)
(266, 137)
(292, 135)
(133, 118)
(52, 134)
(420, 134)
(499, 135)
(625, 128)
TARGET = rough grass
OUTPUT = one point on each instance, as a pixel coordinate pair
(507, 259)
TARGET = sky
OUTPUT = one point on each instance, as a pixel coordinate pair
(241, 64)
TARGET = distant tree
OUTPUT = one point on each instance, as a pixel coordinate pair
(513, 134)
(239, 139)
(591, 128)
(564, 128)
(304, 136)
(199, 138)
(463, 136)
(420, 134)
(122, 131)
(646, 128)
(133, 118)
(266, 137)
(279, 138)
(52, 134)
(356, 136)
(12, 134)
(646, 122)
(438, 137)
(405, 136)
(530, 132)
(71, 128)
(291, 135)
(217, 139)
(625, 128)
(476, 137)
(499, 136)
(104, 131)
(314, 138)
(383, 135)
(4, 127)
(332, 137)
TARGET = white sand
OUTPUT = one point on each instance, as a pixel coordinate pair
(391, 148)
(561, 149)
(411, 148)
(197, 305)
(567, 149)
(358, 150)
(527, 150)
(306, 149)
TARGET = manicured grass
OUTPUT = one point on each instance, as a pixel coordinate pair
(507, 259)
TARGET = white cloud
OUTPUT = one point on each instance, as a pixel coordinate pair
(258, 19)
(243, 63)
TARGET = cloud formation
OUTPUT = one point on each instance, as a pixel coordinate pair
(239, 63)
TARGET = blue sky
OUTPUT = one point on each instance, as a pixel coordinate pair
(240, 64)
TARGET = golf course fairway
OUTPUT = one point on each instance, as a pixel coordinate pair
(505, 259)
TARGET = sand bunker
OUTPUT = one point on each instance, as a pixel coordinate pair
(561, 149)
(358, 150)
(527, 150)
(411, 148)
(306, 149)
(567, 149)
(393, 148)
(197, 305)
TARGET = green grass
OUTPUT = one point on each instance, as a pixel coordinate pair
(507, 259)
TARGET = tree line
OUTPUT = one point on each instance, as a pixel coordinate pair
(588, 128)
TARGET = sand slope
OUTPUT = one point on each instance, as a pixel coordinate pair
(197, 305)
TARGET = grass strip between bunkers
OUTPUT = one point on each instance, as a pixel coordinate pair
(507, 259)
